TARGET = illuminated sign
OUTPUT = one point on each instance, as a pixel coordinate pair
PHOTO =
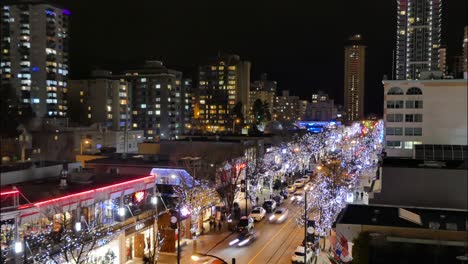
(139, 196)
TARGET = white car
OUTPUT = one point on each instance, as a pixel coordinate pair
(308, 186)
(258, 213)
(279, 215)
(291, 188)
(297, 196)
(299, 183)
(299, 253)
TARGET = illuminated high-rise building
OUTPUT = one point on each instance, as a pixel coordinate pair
(34, 55)
(222, 83)
(418, 38)
(354, 78)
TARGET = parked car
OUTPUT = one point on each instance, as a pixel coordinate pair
(279, 215)
(299, 253)
(291, 188)
(246, 223)
(258, 213)
(299, 183)
(278, 199)
(308, 186)
(285, 194)
(245, 238)
(269, 205)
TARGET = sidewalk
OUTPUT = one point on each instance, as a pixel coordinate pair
(203, 244)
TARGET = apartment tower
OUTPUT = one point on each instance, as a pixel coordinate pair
(354, 78)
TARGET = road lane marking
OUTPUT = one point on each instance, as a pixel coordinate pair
(271, 239)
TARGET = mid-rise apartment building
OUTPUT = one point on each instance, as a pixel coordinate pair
(264, 90)
(287, 107)
(222, 83)
(34, 55)
(160, 102)
(101, 99)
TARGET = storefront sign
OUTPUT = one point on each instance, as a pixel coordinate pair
(139, 227)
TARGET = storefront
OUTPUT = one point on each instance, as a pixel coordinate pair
(139, 239)
(106, 254)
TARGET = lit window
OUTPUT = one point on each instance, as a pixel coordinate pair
(158, 86)
(158, 112)
(135, 125)
(143, 79)
(89, 115)
(143, 106)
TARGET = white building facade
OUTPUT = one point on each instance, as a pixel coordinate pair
(424, 112)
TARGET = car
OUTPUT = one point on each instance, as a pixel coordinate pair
(299, 183)
(306, 178)
(278, 199)
(291, 188)
(308, 186)
(279, 215)
(245, 224)
(284, 193)
(244, 239)
(297, 196)
(269, 205)
(258, 213)
(299, 253)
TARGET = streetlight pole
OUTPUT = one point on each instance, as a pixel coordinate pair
(178, 235)
(246, 186)
(305, 227)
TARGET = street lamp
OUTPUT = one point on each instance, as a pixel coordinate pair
(198, 256)
(85, 142)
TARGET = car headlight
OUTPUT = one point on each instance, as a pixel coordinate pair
(282, 218)
(271, 217)
(233, 242)
(292, 198)
(244, 242)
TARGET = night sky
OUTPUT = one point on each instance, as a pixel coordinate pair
(298, 43)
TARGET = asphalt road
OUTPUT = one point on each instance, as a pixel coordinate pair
(275, 242)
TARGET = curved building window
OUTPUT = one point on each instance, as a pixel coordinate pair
(395, 90)
(413, 91)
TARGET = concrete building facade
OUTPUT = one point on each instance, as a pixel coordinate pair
(321, 108)
(424, 112)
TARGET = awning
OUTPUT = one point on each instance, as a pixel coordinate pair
(70, 207)
(129, 191)
(87, 202)
(149, 185)
(30, 218)
(115, 195)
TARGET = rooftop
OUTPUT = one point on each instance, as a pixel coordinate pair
(139, 161)
(27, 165)
(389, 216)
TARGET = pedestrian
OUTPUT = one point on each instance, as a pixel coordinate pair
(357, 195)
(362, 194)
(256, 200)
(219, 226)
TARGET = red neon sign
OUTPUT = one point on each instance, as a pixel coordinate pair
(9, 192)
(91, 191)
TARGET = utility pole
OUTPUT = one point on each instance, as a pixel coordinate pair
(246, 186)
(178, 235)
(305, 227)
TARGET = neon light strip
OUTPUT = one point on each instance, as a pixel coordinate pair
(9, 192)
(91, 191)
